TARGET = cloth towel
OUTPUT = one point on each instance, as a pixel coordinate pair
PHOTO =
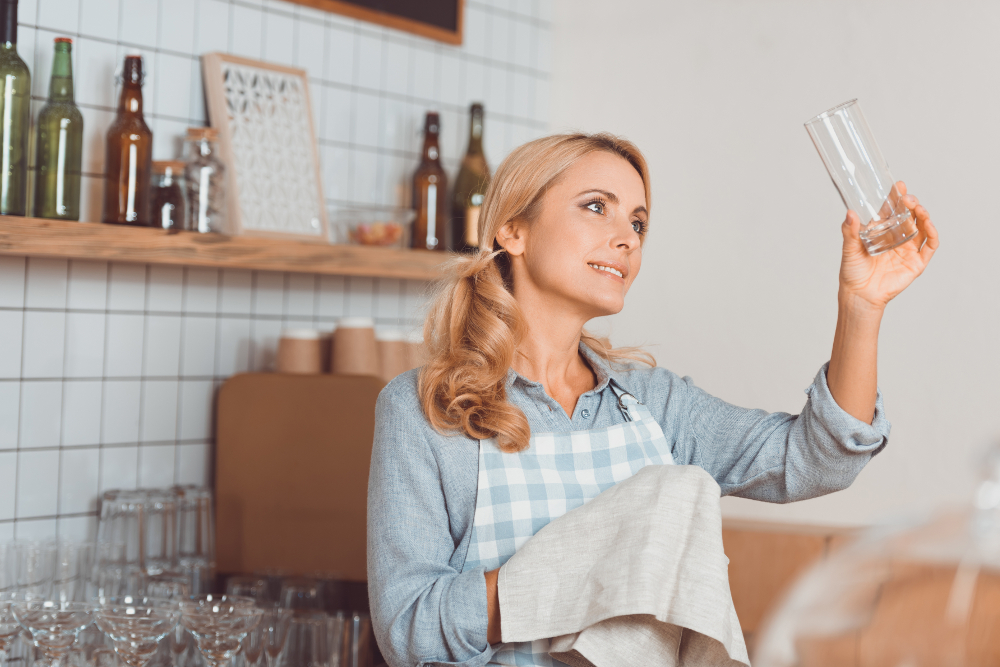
(637, 576)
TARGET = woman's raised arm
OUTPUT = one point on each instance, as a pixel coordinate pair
(867, 284)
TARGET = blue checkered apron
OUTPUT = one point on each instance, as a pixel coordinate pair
(520, 493)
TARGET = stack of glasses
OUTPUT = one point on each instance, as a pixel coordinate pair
(155, 536)
(303, 625)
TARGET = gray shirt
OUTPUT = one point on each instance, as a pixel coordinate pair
(422, 487)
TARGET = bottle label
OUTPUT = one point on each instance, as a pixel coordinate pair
(432, 200)
(472, 226)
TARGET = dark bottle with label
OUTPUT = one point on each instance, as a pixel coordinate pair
(15, 110)
(129, 163)
(59, 147)
(470, 187)
(430, 192)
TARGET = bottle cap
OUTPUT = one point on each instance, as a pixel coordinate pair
(206, 133)
(61, 40)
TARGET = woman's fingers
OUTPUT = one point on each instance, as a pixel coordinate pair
(851, 229)
(929, 232)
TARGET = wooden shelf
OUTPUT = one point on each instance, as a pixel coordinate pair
(35, 237)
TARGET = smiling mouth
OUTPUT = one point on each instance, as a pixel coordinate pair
(608, 269)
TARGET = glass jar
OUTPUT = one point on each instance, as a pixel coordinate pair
(917, 593)
(168, 200)
(205, 176)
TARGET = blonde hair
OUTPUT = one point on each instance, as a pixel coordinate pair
(474, 325)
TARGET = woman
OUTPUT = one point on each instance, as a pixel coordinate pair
(516, 418)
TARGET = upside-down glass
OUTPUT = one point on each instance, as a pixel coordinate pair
(136, 626)
(196, 536)
(308, 641)
(860, 173)
(219, 623)
(54, 626)
(145, 520)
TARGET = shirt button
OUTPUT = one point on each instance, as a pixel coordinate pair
(585, 413)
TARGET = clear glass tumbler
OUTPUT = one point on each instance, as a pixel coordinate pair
(856, 166)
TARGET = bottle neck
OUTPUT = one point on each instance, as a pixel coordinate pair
(431, 153)
(476, 135)
(8, 23)
(131, 100)
(61, 84)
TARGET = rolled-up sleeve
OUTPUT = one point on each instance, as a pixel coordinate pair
(424, 610)
(775, 457)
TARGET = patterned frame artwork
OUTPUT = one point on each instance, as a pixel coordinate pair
(268, 142)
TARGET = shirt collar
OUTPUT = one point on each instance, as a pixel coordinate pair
(601, 367)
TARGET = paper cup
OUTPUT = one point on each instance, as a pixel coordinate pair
(354, 349)
(300, 351)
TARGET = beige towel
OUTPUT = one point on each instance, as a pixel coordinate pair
(637, 576)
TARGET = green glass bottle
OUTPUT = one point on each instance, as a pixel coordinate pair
(470, 187)
(15, 116)
(60, 143)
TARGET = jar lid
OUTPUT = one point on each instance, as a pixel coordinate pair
(207, 133)
(162, 166)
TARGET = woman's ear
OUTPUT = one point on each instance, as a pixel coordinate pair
(512, 237)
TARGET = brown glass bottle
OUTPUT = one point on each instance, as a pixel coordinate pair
(129, 163)
(430, 192)
(470, 187)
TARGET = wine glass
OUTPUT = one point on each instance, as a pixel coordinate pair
(54, 626)
(9, 627)
(136, 626)
(219, 623)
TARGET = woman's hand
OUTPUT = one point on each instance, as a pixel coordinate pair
(874, 281)
(867, 284)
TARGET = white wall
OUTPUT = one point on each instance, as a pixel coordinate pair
(107, 371)
(738, 288)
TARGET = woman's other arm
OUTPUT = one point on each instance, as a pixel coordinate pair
(867, 284)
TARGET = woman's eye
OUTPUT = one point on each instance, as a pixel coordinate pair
(596, 207)
(638, 226)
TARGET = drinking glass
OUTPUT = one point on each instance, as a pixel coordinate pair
(275, 623)
(73, 572)
(301, 594)
(145, 521)
(136, 626)
(34, 568)
(356, 648)
(308, 641)
(53, 625)
(195, 536)
(860, 173)
(248, 586)
(9, 627)
(219, 623)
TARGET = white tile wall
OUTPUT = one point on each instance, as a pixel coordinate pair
(108, 371)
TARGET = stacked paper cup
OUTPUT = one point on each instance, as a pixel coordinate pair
(355, 351)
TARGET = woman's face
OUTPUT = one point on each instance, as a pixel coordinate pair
(585, 247)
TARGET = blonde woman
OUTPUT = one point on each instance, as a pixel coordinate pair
(473, 452)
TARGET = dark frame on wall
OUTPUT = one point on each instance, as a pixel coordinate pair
(434, 19)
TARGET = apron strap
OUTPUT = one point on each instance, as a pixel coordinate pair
(625, 400)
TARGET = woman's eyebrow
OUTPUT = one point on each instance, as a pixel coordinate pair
(640, 209)
(611, 196)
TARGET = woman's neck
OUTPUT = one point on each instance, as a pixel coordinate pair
(550, 354)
